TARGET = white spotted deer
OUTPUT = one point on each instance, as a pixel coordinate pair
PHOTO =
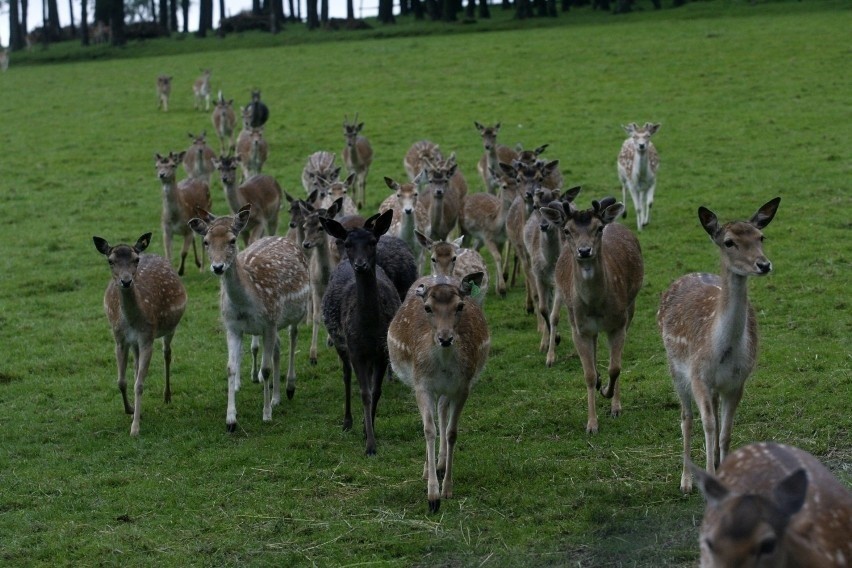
(164, 90)
(438, 344)
(262, 192)
(201, 90)
(637, 169)
(409, 213)
(420, 155)
(357, 156)
(451, 260)
(772, 505)
(495, 154)
(264, 288)
(709, 330)
(253, 150)
(224, 122)
(198, 158)
(180, 203)
(442, 199)
(598, 276)
(144, 300)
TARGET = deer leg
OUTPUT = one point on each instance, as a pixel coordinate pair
(612, 390)
(167, 359)
(586, 349)
(426, 405)
(727, 409)
(121, 355)
(379, 370)
(276, 372)
(554, 325)
(235, 348)
(187, 240)
(637, 205)
(686, 432)
(347, 389)
(451, 431)
(291, 364)
(167, 245)
(362, 372)
(441, 467)
(704, 401)
(649, 202)
(142, 362)
(270, 338)
(198, 262)
(255, 367)
(315, 326)
(624, 198)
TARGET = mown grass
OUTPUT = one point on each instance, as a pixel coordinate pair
(754, 103)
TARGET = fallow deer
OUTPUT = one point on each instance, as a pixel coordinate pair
(709, 330)
(637, 169)
(772, 505)
(198, 158)
(264, 288)
(420, 155)
(225, 122)
(357, 156)
(253, 150)
(409, 213)
(319, 171)
(439, 344)
(180, 202)
(201, 90)
(144, 300)
(494, 154)
(443, 201)
(339, 190)
(164, 89)
(598, 276)
(451, 260)
(262, 192)
(257, 110)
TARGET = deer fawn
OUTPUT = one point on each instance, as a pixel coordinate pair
(180, 202)
(144, 300)
(198, 158)
(225, 122)
(495, 154)
(773, 505)
(262, 192)
(637, 170)
(451, 260)
(409, 213)
(710, 332)
(201, 90)
(265, 288)
(253, 150)
(357, 156)
(438, 344)
(164, 89)
(598, 276)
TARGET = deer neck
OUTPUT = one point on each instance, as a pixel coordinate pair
(641, 164)
(231, 195)
(436, 212)
(551, 245)
(590, 281)
(732, 309)
(367, 292)
(322, 261)
(236, 284)
(130, 307)
(407, 226)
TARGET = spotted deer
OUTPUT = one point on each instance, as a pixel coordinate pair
(262, 192)
(442, 199)
(598, 275)
(452, 260)
(198, 158)
(224, 122)
(264, 288)
(709, 330)
(637, 169)
(438, 344)
(772, 505)
(357, 156)
(180, 202)
(319, 171)
(339, 190)
(420, 155)
(252, 150)
(409, 213)
(144, 300)
(164, 90)
(495, 153)
(201, 90)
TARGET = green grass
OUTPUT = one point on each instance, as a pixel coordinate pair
(754, 103)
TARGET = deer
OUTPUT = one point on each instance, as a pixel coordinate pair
(439, 344)
(201, 90)
(420, 155)
(264, 288)
(357, 156)
(451, 260)
(198, 158)
(257, 110)
(164, 89)
(144, 300)
(295, 232)
(180, 201)
(409, 214)
(772, 504)
(261, 191)
(224, 122)
(709, 330)
(598, 275)
(637, 164)
(357, 309)
(253, 150)
(339, 190)
(442, 199)
(543, 240)
(495, 153)
(319, 171)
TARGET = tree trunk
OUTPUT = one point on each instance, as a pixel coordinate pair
(417, 8)
(221, 24)
(484, 9)
(184, 8)
(324, 11)
(53, 21)
(84, 22)
(16, 35)
(313, 16)
(71, 14)
(350, 10)
(164, 15)
(449, 11)
(116, 22)
(386, 12)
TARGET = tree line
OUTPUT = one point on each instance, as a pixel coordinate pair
(115, 21)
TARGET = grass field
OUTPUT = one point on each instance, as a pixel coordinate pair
(754, 102)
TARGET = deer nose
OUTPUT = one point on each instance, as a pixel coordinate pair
(360, 266)
(126, 282)
(584, 252)
(446, 341)
(408, 211)
(307, 244)
(217, 268)
(764, 266)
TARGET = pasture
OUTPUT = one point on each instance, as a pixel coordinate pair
(754, 103)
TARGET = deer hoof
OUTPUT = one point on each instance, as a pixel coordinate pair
(290, 392)
(558, 339)
(434, 505)
(231, 428)
(347, 424)
(313, 361)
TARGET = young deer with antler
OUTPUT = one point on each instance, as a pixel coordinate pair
(357, 156)
(438, 344)
(637, 169)
(144, 300)
(598, 276)
(772, 506)
(710, 332)
(264, 288)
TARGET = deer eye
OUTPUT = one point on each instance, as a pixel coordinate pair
(459, 308)
(428, 309)
(434, 260)
(762, 238)
(205, 242)
(766, 547)
(233, 240)
(729, 243)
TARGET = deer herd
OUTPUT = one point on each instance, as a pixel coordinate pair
(364, 278)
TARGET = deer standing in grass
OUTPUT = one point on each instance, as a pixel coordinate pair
(357, 156)
(262, 192)
(495, 154)
(442, 200)
(637, 169)
(253, 150)
(709, 330)
(180, 202)
(439, 344)
(319, 171)
(339, 190)
(264, 288)
(164, 89)
(198, 158)
(451, 260)
(201, 90)
(357, 309)
(144, 300)
(225, 122)
(420, 155)
(772, 506)
(598, 276)
(409, 213)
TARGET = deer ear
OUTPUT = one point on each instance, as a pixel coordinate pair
(142, 242)
(424, 241)
(708, 221)
(508, 169)
(478, 126)
(791, 491)
(383, 223)
(333, 228)
(198, 226)
(335, 208)
(391, 184)
(571, 194)
(553, 214)
(420, 292)
(241, 218)
(612, 212)
(713, 489)
(765, 214)
(102, 245)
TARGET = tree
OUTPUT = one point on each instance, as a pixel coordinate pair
(116, 22)
(164, 15)
(84, 22)
(16, 34)
(313, 16)
(205, 17)
(386, 12)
